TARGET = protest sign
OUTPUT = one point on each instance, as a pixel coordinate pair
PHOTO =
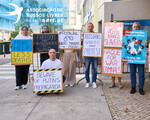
(43, 42)
(111, 63)
(92, 44)
(113, 34)
(48, 81)
(69, 39)
(134, 50)
(22, 52)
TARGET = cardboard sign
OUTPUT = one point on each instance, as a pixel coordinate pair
(92, 44)
(134, 50)
(48, 80)
(69, 39)
(111, 62)
(22, 52)
(43, 42)
(113, 34)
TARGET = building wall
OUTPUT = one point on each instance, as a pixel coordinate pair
(6, 22)
(127, 10)
(71, 6)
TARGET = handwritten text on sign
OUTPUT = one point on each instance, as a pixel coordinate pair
(113, 34)
(21, 52)
(22, 57)
(47, 80)
(44, 42)
(112, 61)
(69, 39)
(92, 44)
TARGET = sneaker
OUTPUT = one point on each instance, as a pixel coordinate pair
(141, 92)
(66, 85)
(71, 85)
(94, 85)
(87, 85)
(133, 90)
(112, 85)
(17, 87)
(24, 86)
(120, 86)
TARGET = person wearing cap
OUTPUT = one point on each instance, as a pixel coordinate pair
(22, 71)
(44, 56)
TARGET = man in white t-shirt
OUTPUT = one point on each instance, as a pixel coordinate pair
(52, 62)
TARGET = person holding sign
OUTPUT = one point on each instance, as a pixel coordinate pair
(44, 56)
(22, 71)
(88, 61)
(136, 26)
(113, 78)
(52, 62)
(69, 59)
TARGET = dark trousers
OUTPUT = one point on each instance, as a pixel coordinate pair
(22, 74)
(64, 78)
(43, 57)
(133, 75)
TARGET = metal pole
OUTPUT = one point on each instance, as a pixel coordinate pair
(4, 49)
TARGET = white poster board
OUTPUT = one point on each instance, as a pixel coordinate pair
(69, 39)
(92, 44)
(113, 33)
(45, 80)
(112, 65)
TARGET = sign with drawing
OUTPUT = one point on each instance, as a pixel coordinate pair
(134, 50)
(69, 39)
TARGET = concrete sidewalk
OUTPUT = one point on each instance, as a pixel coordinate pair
(76, 103)
(6, 59)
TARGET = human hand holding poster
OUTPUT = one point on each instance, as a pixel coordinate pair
(22, 52)
(69, 39)
(92, 44)
(47, 81)
(134, 50)
(113, 34)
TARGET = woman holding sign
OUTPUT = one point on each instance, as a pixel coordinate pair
(22, 70)
(69, 59)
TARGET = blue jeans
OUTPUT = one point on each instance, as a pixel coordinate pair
(88, 61)
(133, 75)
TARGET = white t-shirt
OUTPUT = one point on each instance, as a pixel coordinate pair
(23, 37)
(68, 51)
(48, 64)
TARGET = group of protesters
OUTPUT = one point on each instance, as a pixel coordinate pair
(68, 59)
